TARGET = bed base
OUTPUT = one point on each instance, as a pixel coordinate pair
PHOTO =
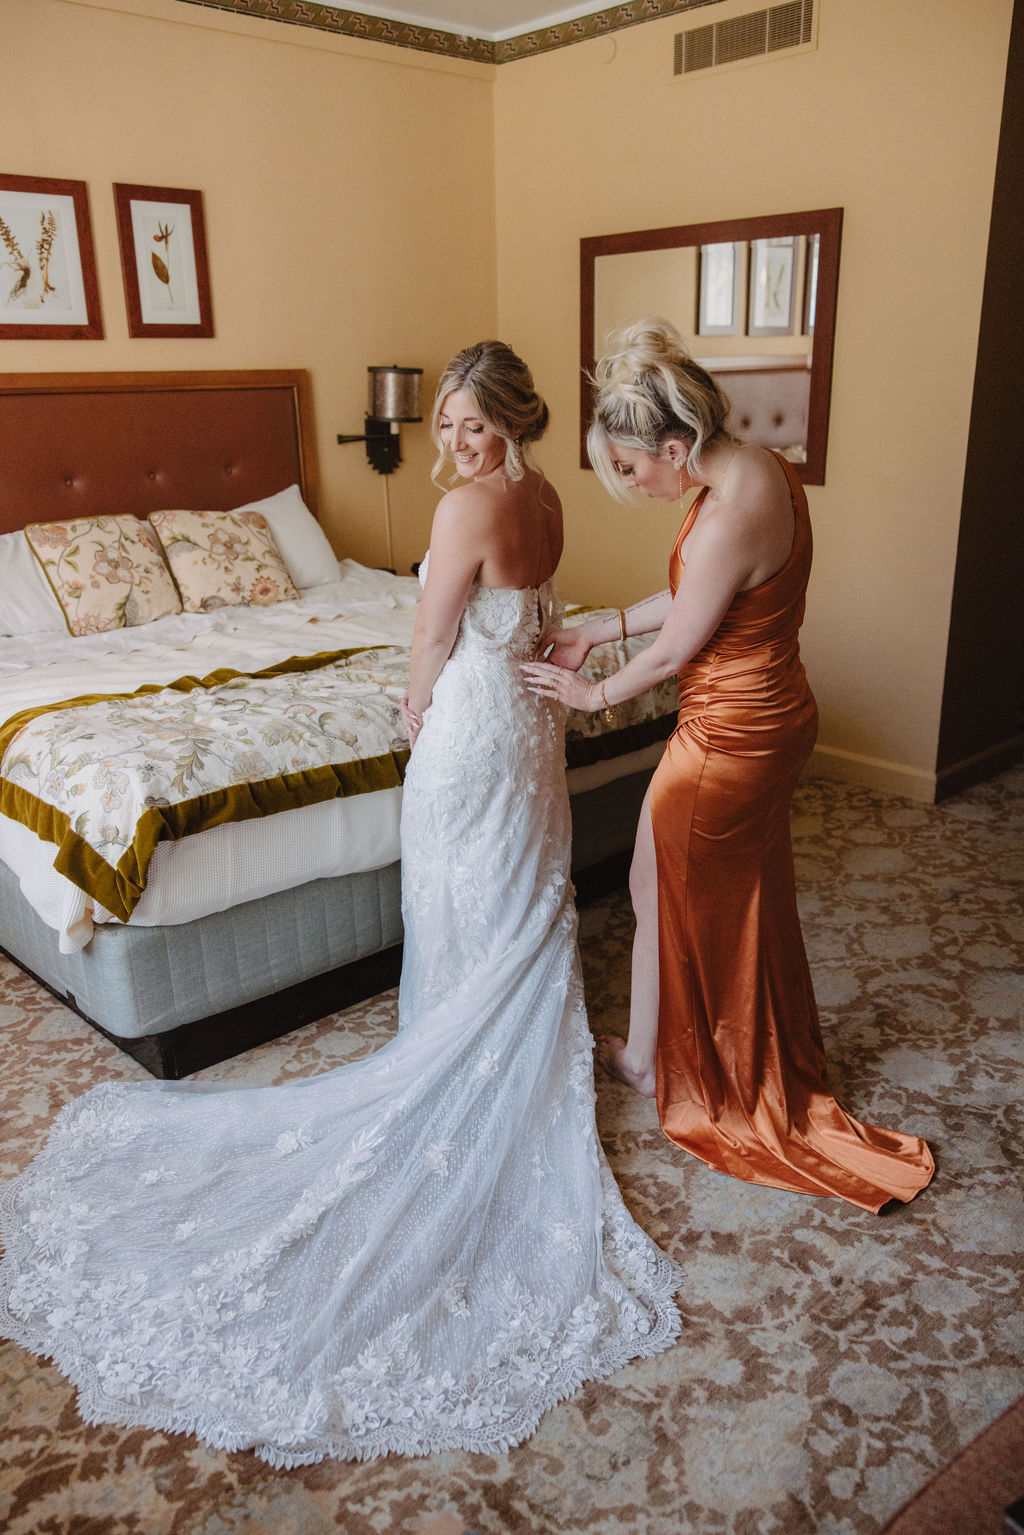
(190, 1047)
(177, 1052)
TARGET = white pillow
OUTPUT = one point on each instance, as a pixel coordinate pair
(27, 605)
(301, 540)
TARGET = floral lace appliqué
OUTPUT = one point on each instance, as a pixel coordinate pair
(420, 1251)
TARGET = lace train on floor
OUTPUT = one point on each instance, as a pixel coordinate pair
(424, 1250)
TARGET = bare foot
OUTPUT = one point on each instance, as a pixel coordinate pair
(611, 1051)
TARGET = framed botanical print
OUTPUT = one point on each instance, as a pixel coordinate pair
(48, 287)
(162, 234)
(811, 283)
(720, 295)
(772, 286)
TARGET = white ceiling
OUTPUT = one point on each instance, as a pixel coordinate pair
(494, 20)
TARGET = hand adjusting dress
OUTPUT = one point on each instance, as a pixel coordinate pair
(741, 1075)
(423, 1250)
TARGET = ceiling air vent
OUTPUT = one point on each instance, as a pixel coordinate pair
(745, 37)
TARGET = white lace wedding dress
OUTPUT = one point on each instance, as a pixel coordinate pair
(421, 1251)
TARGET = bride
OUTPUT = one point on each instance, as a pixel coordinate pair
(424, 1250)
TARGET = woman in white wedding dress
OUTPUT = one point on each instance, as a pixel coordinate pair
(423, 1250)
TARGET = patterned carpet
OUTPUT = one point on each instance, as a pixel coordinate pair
(831, 1361)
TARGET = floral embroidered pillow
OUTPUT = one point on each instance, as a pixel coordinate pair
(223, 559)
(106, 572)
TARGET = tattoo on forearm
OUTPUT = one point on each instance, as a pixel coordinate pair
(637, 606)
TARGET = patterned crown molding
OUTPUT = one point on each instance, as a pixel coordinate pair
(600, 24)
(400, 34)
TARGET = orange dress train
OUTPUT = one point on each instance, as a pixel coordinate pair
(741, 1075)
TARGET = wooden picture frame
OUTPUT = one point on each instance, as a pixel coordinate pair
(827, 223)
(722, 273)
(162, 234)
(48, 286)
(810, 283)
(771, 308)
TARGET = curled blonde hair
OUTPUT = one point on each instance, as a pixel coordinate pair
(649, 389)
(501, 386)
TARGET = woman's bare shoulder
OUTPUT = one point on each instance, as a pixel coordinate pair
(750, 522)
(758, 491)
(466, 505)
(547, 495)
(760, 513)
(490, 500)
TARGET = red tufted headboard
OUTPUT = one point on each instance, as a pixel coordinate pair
(83, 444)
(769, 403)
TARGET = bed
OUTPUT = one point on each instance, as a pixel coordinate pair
(199, 797)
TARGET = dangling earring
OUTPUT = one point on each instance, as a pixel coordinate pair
(680, 487)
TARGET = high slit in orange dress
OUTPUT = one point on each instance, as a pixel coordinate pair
(741, 1075)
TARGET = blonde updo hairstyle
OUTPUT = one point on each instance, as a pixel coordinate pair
(649, 389)
(501, 386)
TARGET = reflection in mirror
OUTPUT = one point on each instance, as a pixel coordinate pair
(755, 300)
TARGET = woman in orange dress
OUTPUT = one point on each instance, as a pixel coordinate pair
(723, 1024)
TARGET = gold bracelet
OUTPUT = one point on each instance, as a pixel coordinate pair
(610, 712)
(622, 623)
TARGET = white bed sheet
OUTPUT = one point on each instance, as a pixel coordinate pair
(226, 865)
(363, 607)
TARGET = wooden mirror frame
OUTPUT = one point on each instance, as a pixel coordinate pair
(827, 223)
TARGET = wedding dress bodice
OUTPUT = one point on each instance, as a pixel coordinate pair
(488, 746)
(423, 1250)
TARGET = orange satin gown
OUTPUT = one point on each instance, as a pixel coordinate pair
(741, 1074)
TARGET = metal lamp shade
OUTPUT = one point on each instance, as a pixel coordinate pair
(394, 394)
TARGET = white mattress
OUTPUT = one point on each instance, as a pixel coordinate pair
(218, 868)
(226, 865)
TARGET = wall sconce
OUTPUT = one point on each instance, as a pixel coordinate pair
(394, 396)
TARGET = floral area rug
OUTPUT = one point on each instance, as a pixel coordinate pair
(831, 1361)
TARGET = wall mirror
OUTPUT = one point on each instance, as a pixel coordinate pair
(755, 300)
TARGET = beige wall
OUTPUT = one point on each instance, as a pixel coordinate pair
(645, 282)
(348, 195)
(894, 117)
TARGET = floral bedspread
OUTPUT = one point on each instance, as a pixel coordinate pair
(106, 779)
